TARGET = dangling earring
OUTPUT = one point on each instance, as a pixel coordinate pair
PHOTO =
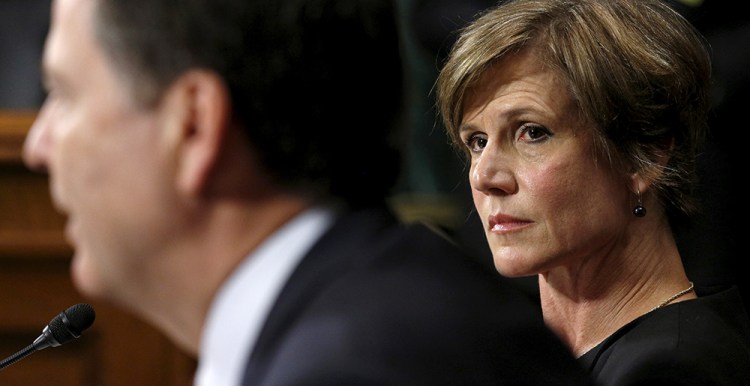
(639, 210)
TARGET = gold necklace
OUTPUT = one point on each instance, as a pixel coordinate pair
(673, 297)
(664, 303)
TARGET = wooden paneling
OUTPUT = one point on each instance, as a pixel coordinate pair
(118, 350)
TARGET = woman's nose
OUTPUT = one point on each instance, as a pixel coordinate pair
(491, 173)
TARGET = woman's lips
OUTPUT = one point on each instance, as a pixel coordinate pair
(501, 223)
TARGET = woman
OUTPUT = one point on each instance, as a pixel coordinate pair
(582, 121)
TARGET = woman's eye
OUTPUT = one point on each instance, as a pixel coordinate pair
(533, 133)
(476, 143)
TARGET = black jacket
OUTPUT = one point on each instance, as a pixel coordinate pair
(377, 303)
(705, 341)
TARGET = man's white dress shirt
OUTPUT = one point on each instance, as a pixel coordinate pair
(242, 304)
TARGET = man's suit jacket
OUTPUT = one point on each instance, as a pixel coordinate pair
(378, 303)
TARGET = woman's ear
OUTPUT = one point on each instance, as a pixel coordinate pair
(641, 181)
(638, 184)
(203, 101)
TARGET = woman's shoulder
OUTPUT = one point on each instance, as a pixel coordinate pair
(705, 340)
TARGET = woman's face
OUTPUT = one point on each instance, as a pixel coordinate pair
(543, 198)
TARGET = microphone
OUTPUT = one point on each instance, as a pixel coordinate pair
(63, 328)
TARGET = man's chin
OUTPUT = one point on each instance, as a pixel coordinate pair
(85, 279)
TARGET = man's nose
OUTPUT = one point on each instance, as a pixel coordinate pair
(36, 146)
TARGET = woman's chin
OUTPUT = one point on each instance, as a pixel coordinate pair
(513, 269)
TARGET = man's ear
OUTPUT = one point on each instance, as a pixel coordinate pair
(206, 114)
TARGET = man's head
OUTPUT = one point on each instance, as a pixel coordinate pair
(315, 84)
(165, 117)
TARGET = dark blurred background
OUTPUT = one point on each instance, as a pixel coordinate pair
(23, 26)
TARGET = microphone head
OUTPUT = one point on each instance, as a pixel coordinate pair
(72, 322)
